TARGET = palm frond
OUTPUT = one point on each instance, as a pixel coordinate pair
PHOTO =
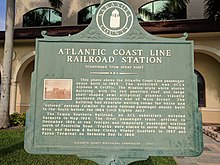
(57, 4)
(212, 9)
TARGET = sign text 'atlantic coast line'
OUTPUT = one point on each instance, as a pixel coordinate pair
(94, 55)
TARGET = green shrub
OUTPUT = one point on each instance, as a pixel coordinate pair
(156, 160)
(17, 119)
(12, 153)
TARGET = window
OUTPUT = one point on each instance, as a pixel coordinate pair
(85, 15)
(42, 17)
(163, 10)
(201, 89)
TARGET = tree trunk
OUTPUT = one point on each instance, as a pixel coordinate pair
(7, 64)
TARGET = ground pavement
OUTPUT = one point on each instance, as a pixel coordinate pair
(210, 155)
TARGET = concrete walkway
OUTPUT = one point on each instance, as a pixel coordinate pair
(210, 155)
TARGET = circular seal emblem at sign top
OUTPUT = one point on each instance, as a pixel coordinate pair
(114, 18)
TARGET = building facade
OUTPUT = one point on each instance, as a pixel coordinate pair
(34, 16)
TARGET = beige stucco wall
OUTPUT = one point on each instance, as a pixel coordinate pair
(20, 83)
(195, 9)
(23, 6)
(23, 89)
(210, 70)
(69, 10)
(72, 7)
(207, 39)
(21, 49)
(207, 62)
(210, 116)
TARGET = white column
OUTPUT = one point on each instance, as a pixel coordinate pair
(13, 96)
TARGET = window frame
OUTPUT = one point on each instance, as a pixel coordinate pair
(79, 18)
(49, 10)
(200, 89)
(153, 14)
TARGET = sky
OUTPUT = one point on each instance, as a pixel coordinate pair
(2, 15)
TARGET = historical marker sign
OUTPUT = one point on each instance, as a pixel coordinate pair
(114, 91)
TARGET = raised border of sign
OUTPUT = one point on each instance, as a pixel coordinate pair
(119, 155)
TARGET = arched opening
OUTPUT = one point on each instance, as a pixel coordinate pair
(207, 63)
(162, 10)
(85, 15)
(24, 88)
(42, 17)
(201, 89)
(208, 71)
(21, 84)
